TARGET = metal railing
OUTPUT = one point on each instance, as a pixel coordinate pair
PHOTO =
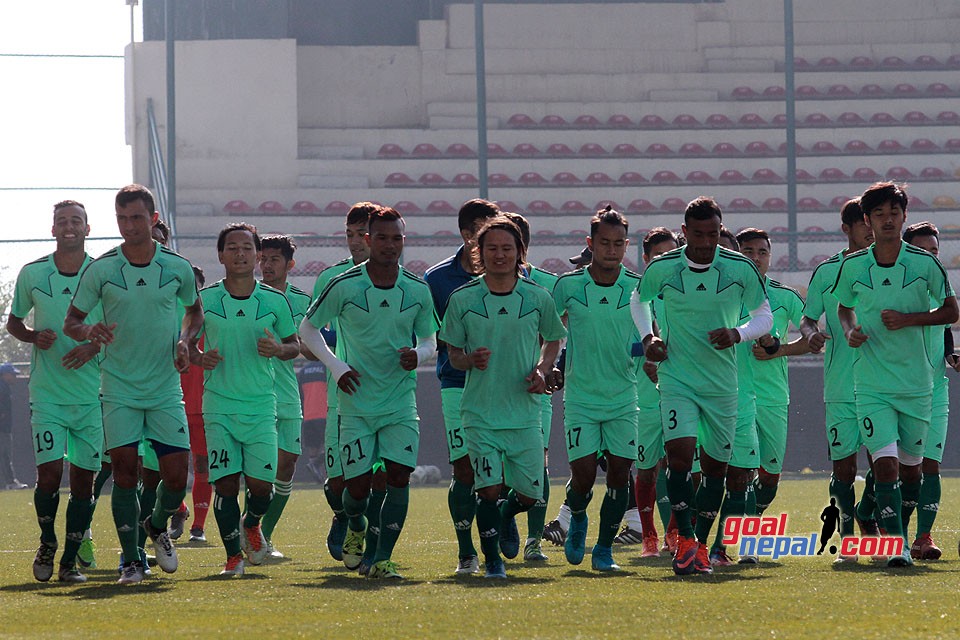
(158, 174)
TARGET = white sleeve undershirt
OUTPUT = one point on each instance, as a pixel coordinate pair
(640, 311)
(760, 323)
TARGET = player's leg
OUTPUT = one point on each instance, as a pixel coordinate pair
(378, 493)
(333, 487)
(224, 454)
(618, 436)
(289, 449)
(257, 436)
(461, 500)
(649, 471)
(843, 442)
(123, 429)
(201, 492)
(583, 439)
(744, 459)
(358, 442)
(772, 434)
(523, 473)
(537, 514)
(923, 547)
(84, 442)
(149, 481)
(86, 555)
(720, 417)
(49, 442)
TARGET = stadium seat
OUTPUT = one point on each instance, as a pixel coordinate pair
(586, 122)
(774, 204)
(271, 206)
(674, 205)
(632, 177)
(893, 62)
(774, 92)
(817, 120)
(804, 176)
(592, 149)
(933, 173)
(883, 118)
(938, 89)
(828, 62)
(942, 202)
(564, 177)
(443, 232)
(924, 145)
(540, 206)
(531, 177)
(509, 205)
(553, 121)
(405, 207)
(599, 177)
(948, 117)
(953, 144)
(899, 173)
(917, 203)
(620, 121)
(495, 150)
(625, 149)
(840, 91)
(440, 206)
(432, 179)
(725, 149)
(819, 259)
(659, 149)
(926, 62)
(863, 62)
(800, 63)
(665, 176)
(604, 203)
(838, 201)
(779, 120)
(426, 150)
(778, 230)
(809, 204)
(686, 121)
(741, 204)
(397, 179)
(850, 119)
(825, 148)
(954, 61)
(866, 174)
(465, 180)
(766, 175)
(499, 179)
(692, 149)
(559, 149)
(872, 91)
(304, 206)
(732, 176)
(857, 146)
(905, 89)
(783, 263)
(752, 120)
(391, 151)
(641, 205)
(888, 146)
(651, 121)
(718, 121)
(758, 148)
(526, 149)
(460, 150)
(699, 177)
(237, 206)
(743, 93)
(521, 120)
(806, 91)
(416, 267)
(338, 207)
(832, 174)
(915, 117)
(814, 229)
(573, 206)
(555, 266)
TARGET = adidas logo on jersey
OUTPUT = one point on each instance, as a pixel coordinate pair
(384, 304)
(241, 314)
(604, 300)
(141, 283)
(66, 291)
(502, 311)
(700, 287)
(886, 282)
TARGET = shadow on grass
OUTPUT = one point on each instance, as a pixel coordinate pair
(881, 568)
(216, 577)
(479, 582)
(355, 582)
(88, 591)
(598, 575)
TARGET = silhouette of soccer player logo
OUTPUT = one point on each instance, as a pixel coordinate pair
(831, 523)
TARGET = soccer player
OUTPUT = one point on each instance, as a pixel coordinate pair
(356, 230)
(600, 396)
(247, 326)
(842, 429)
(493, 328)
(704, 288)
(64, 390)
(885, 295)
(139, 283)
(276, 262)
(443, 278)
(379, 308)
(925, 235)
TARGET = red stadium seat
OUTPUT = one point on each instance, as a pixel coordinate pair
(857, 146)
(939, 202)
(673, 205)
(700, 177)
(666, 176)
(564, 177)
(495, 150)
(391, 151)
(752, 120)
(893, 62)
(526, 149)
(632, 177)
(779, 120)
(587, 122)
(774, 92)
(499, 179)
(338, 207)
(540, 206)
(905, 89)
(531, 177)
(620, 121)
(659, 149)
(440, 206)
(824, 148)
(828, 62)
(866, 174)
(804, 176)
(271, 206)
(426, 150)
(809, 204)
(559, 149)
(840, 91)
(954, 61)
(741, 204)
(872, 91)
(405, 207)
(718, 121)
(850, 119)
(553, 121)
(743, 93)
(574, 206)
(926, 62)
(838, 201)
(924, 145)
(899, 173)
(817, 120)
(599, 177)
(465, 180)
(832, 174)
(917, 203)
(304, 206)
(625, 149)
(933, 173)
(725, 149)
(732, 176)
(801, 63)
(592, 149)
(603, 204)
(938, 89)
(686, 121)
(819, 259)
(460, 150)
(641, 205)
(774, 204)
(953, 144)
(651, 121)
(883, 118)
(416, 267)
(521, 120)
(915, 117)
(555, 266)
(237, 206)
(948, 117)
(758, 148)
(398, 178)
(798, 148)
(807, 91)
(863, 62)
(509, 205)
(783, 263)
(814, 229)
(432, 179)
(767, 175)
(888, 146)
(692, 149)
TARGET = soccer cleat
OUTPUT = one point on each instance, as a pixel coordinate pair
(628, 535)
(131, 573)
(601, 559)
(386, 569)
(365, 564)
(719, 557)
(144, 561)
(468, 566)
(924, 548)
(495, 569)
(254, 544)
(842, 559)
(197, 535)
(651, 547)
(273, 553)
(166, 553)
(554, 533)
(701, 560)
(86, 554)
(683, 560)
(43, 561)
(673, 541)
(576, 543)
(70, 573)
(234, 566)
(868, 528)
(533, 552)
(353, 548)
(749, 560)
(338, 531)
(510, 539)
(901, 560)
(177, 520)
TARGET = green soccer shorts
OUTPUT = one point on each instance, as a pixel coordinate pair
(288, 435)
(649, 437)
(450, 398)
(241, 444)
(939, 414)
(365, 440)
(612, 430)
(148, 456)
(682, 411)
(165, 422)
(772, 432)
(74, 429)
(546, 418)
(843, 429)
(746, 446)
(894, 418)
(510, 456)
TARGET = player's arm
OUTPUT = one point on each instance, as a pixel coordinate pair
(348, 379)
(412, 357)
(851, 330)
(43, 339)
(953, 359)
(947, 313)
(653, 347)
(476, 359)
(796, 348)
(549, 352)
(190, 327)
(810, 330)
(286, 349)
(74, 326)
(759, 324)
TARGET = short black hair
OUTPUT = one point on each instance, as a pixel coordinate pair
(284, 243)
(164, 230)
(503, 223)
(522, 223)
(360, 212)
(607, 215)
(924, 228)
(851, 213)
(385, 214)
(752, 233)
(475, 209)
(726, 233)
(656, 236)
(199, 276)
(702, 208)
(134, 192)
(237, 226)
(63, 204)
(882, 192)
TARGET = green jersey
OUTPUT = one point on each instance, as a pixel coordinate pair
(543, 278)
(648, 397)
(746, 379)
(838, 356)
(138, 366)
(510, 326)
(329, 274)
(891, 360)
(287, 387)
(770, 376)
(41, 287)
(243, 384)
(375, 323)
(695, 302)
(601, 370)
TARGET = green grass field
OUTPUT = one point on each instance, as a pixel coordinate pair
(311, 595)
